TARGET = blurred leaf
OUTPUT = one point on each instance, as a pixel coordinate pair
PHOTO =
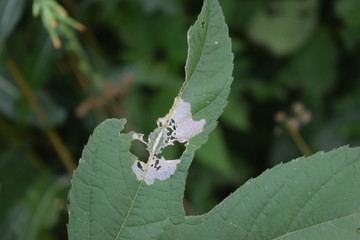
(56, 114)
(214, 153)
(262, 89)
(239, 13)
(39, 211)
(284, 26)
(16, 174)
(350, 39)
(150, 94)
(314, 69)
(134, 109)
(9, 93)
(348, 11)
(165, 6)
(10, 13)
(148, 43)
(343, 125)
(38, 64)
(236, 115)
(160, 103)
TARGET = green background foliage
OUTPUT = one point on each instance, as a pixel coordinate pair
(129, 62)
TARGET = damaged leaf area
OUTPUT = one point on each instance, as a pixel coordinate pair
(177, 125)
(156, 169)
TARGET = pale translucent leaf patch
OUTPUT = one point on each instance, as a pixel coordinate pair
(160, 169)
(181, 123)
(177, 125)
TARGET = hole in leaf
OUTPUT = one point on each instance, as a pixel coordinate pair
(139, 150)
(203, 23)
(174, 151)
(205, 188)
(139, 166)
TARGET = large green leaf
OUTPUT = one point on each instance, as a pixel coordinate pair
(314, 198)
(309, 198)
(116, 196)
(115, 211)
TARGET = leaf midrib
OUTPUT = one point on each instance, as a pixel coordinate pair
(202, 52)
(180, 93)
(129, 211)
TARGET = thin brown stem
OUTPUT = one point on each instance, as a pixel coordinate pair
(300, 142)
(53, 136)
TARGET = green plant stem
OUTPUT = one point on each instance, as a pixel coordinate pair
(300, 142)
(53, 136)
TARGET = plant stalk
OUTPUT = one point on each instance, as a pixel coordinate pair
(53, 136)
(300, 142)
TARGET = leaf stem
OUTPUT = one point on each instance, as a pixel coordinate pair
(53, 136)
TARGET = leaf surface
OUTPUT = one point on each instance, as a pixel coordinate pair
(109, 201)
(317, 197)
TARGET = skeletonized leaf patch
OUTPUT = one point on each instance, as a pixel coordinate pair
(156, 169)
(180, 121)
(177, 125)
